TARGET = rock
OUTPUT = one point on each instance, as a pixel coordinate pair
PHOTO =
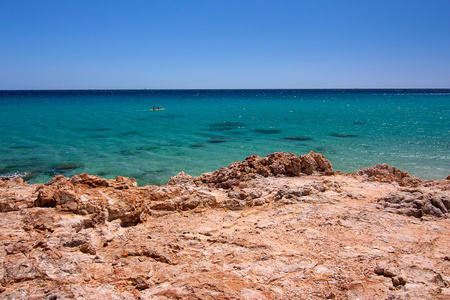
(181, 179)
(418, 202)
(316, 163)
(46, 197)
(277, 227)
(398, 281)
(141, 283)
(90, 180)
(88, 249)
(387, 173)
(277, 164)
(19, 268)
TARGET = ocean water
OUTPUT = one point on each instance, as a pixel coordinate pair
(114, 132)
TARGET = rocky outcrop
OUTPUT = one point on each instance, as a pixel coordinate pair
(427, 199)
(278, 227)
(387, 173)
(277, 164)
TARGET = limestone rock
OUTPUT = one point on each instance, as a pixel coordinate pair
(278, 227)
(387, 173)
(419, 201)
(181, 179)
(277, 164)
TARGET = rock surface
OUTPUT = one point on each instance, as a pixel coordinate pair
(278, 227)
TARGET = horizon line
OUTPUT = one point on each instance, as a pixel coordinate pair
(215, 89)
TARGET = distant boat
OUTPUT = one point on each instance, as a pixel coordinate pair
(154, 109)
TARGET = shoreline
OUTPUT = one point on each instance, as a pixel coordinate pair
(275, 227)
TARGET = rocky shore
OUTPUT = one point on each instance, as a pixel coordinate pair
(278, 227)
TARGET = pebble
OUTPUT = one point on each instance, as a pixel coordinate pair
(398, 281)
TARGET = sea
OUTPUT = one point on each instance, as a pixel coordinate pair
(113, 133)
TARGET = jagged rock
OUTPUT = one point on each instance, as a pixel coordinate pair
(19, 268)
(228, 234)
(181, 179)
(387, 173)
(397, 281)
(316, 163)
(417, 202)
(90, 180)
(142, 250)
(141, 283)
(46, 197)
(279, 163)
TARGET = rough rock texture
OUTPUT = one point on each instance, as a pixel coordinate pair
(279, 227)
(279, 163)
(429, 198)
(388, 173)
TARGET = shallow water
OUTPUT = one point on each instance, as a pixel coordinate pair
(111, 133)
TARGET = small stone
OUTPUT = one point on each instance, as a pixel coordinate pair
(379, 271)
(330, 295)
(398, 281)
(389, 272)
(141, 283)
(88, 249)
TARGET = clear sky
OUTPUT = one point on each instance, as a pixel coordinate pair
(178, 44)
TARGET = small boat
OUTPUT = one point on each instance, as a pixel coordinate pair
(154, 109)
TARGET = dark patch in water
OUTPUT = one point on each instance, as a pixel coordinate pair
(217, 141)
(168, 116)
(94, 129)
(298, 138)
(22, 147)
(129, 133)
(68, 166)
(343, 135)
(102, 174)
(360, 123)
(198, 145)
(147, 148)
(20, 165)
(224, 126)
(63, 168)
(128, 152)
(267, 131)
(324, 150)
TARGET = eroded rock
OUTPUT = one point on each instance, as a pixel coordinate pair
(277, 164)
(278, 227)
(418, 202)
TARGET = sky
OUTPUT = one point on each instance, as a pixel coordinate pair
(224, 44)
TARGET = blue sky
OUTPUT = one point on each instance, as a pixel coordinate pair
(178, 44)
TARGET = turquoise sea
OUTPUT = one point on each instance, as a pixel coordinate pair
(114, 132)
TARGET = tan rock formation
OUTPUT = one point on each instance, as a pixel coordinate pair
(279, 227)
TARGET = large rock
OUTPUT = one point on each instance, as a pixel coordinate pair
(387, 173)
(277, 164)
(420, 201)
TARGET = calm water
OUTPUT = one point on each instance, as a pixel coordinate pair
(111, 132)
